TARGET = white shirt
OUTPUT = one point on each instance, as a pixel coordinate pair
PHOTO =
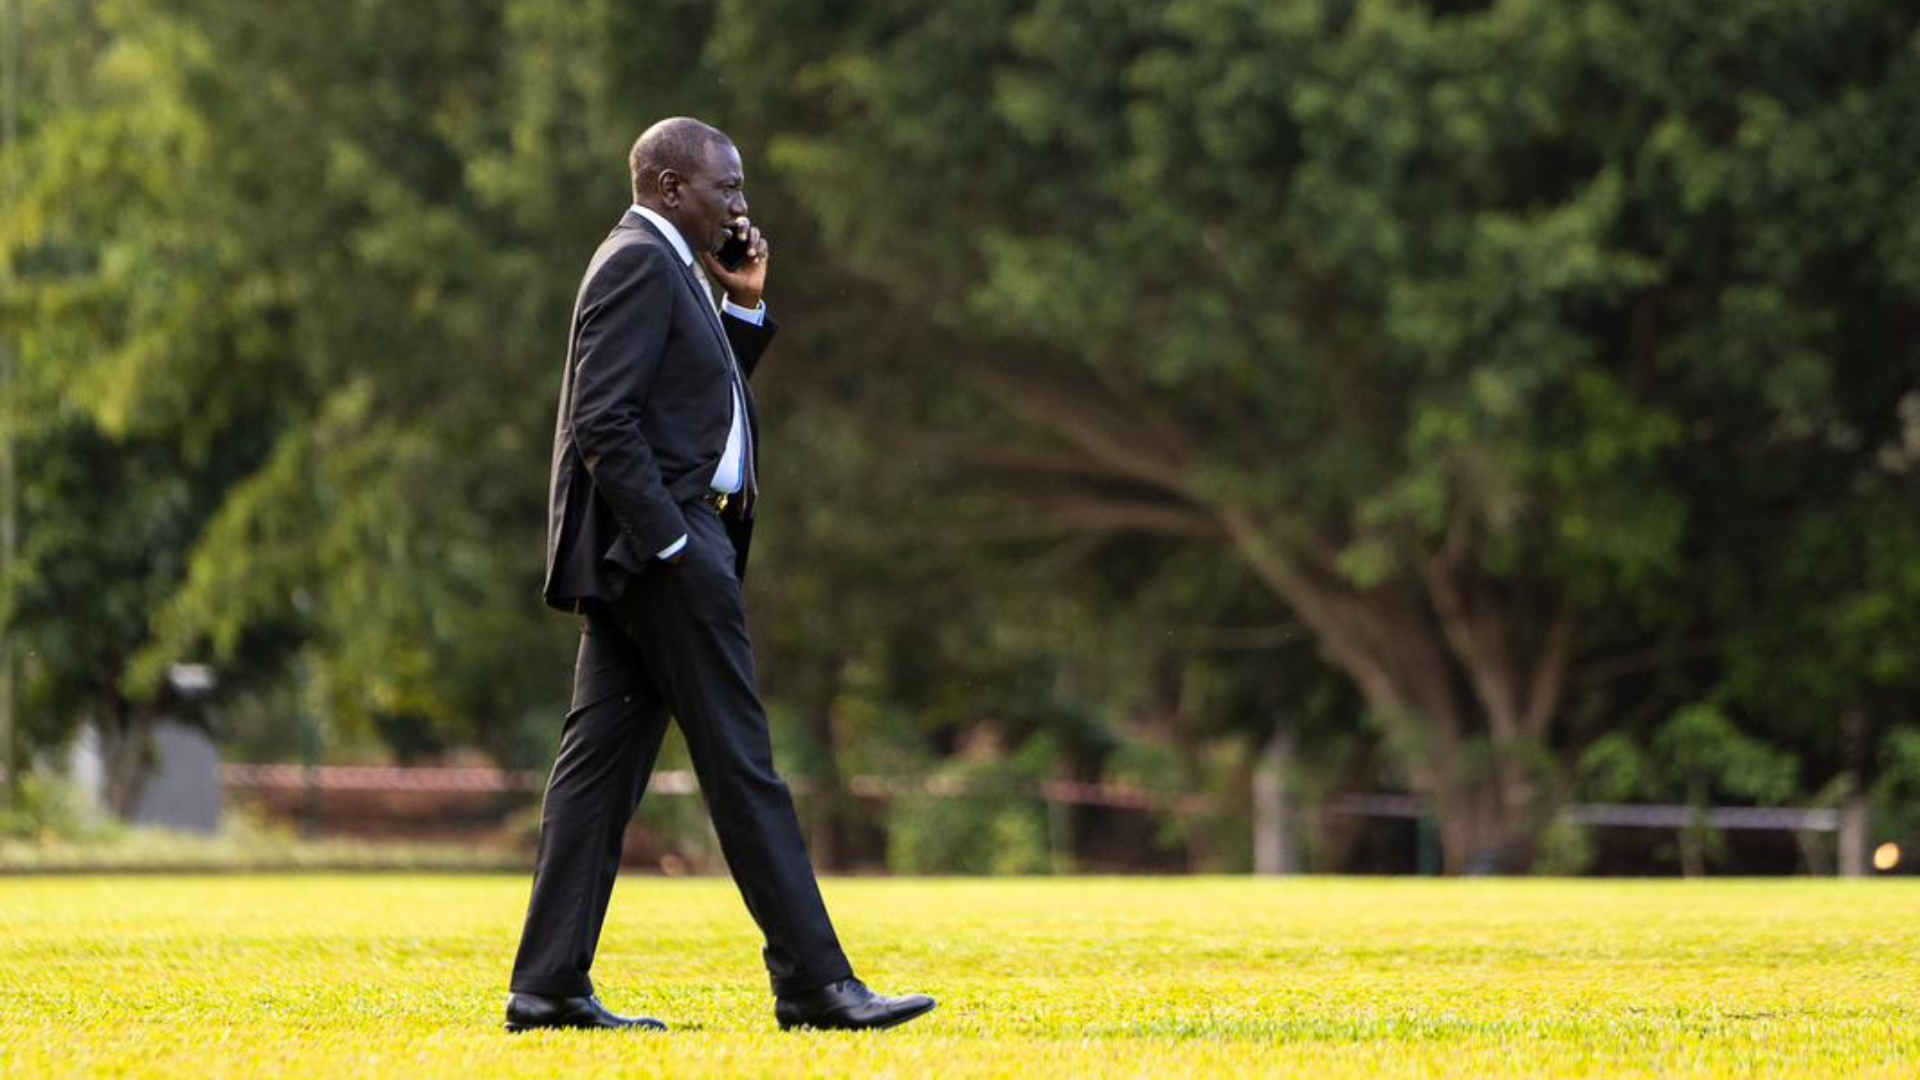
(730, 474)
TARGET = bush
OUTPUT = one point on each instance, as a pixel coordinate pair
(1896, 797)
(968, 834)
(1565, 849)
(48, 810)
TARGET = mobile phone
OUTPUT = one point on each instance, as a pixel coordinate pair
(733, 253)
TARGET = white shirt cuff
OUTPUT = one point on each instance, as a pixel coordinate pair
(754, 315)
(673, 549)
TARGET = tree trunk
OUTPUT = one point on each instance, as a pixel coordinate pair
(828, 835)
(1465, 681)
(1816, 852)
(123, 753)
(1464, 673)
(1167, 719)
(1856, 832)
(1333, 838)
(1273, 847)
(1693, 838)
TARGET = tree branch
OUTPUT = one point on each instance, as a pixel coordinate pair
(1073, 415)
(1467, 634)
(1019, 460)
(1612, 668)
(1550, 672)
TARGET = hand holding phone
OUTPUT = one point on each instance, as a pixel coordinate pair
(733, 254)
(740, 264)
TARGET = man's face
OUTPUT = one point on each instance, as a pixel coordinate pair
(712, 197)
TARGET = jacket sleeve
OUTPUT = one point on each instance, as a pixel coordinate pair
(748, 340)
(620, 340)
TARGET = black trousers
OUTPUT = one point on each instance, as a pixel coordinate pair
(674, 644)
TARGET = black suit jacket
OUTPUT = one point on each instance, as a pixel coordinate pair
(644, 412)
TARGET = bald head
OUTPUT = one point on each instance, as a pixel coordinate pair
(690, 173)
(678, 143)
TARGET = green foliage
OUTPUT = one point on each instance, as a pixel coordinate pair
(245, 843)
(1196, 222)
(1615, 769)
(1700, 750)
(1896, 795)
(47, 811)
(982, 818)
(1604, 311)
(1697, 756)
(967, 835)
(1566, 850)
(1581, 299)
(254, 250)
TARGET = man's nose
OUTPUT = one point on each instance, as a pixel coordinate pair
(739, 207)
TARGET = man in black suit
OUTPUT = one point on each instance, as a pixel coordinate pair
(653, 492)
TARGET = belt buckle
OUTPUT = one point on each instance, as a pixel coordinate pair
(718, 500)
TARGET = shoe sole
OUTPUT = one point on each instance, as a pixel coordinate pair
(519, 1029)
(893, 1023)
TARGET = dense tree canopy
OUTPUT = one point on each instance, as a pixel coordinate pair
(1469, 328)
(1544, 371)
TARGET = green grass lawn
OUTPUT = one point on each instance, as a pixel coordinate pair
(339, 975)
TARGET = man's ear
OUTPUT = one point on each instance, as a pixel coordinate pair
(668, 184)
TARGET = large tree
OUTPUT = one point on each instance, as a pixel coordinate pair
(1419, 308)
(305, 272)
(1487, 337)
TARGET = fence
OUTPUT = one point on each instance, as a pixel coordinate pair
(1622, 815)
(478, 780)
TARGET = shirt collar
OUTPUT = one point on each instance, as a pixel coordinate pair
(672, 234)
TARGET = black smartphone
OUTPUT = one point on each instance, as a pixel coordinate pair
(733, 254)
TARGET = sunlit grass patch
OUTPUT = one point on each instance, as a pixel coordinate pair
(342, 975)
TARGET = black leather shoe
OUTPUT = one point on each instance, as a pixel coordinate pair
(526, 1012)
(848, 1006)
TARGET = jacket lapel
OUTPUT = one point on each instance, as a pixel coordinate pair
(634, 219)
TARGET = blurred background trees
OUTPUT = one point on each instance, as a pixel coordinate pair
(1466, 399)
